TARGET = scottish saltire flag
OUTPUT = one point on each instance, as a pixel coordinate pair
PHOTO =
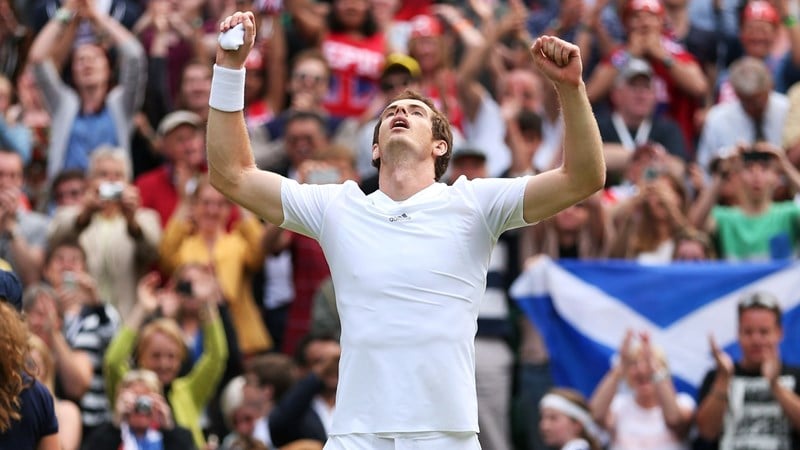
(584, 308)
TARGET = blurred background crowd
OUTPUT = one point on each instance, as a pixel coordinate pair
(140, 277)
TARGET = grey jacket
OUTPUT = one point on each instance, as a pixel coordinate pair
(63, 103)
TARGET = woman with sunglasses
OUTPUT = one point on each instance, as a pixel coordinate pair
(755, 402)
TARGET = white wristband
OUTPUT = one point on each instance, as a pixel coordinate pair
(227, 89)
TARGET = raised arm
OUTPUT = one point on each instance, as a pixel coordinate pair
(583, 170)
(231, 166)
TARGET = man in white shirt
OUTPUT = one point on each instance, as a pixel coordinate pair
(409, 261)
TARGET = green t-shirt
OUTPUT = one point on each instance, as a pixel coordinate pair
(771, 235)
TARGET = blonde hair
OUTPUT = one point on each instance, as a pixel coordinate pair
(165, 326)
(47, 373)
(143, 376)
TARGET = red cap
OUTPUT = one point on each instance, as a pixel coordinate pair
(632, 6)
(760, 10)
(425, 26)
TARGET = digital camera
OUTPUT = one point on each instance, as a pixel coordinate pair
(110, 191)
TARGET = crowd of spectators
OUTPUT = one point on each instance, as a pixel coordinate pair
(161, 312)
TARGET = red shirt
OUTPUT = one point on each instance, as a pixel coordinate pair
(310, 269)
(356, 66)
(158, 192)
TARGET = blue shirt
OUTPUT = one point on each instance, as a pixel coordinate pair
(38, 419)
(89, 131)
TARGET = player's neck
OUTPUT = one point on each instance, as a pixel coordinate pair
(401, 183)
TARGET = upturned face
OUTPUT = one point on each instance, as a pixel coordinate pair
(406, 121)
(90, 66)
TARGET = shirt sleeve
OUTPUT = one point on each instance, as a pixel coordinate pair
(46, 420)
(500, 200)
(304, 205)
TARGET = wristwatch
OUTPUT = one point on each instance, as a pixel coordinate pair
(64, 16)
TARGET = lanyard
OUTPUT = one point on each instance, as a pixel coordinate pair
(625, 138)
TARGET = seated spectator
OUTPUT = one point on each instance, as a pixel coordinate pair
(565, 422)
(633, 120)
(72, 367)
(305, 411)
(182, 146)
(240, 408)
(757, 114)
(270, 375)
(142, 418)
(92, 112)
(758, 389)
(195, 88)
(647, 224)
(756, 228)
(23, 233)
(159, 346)
(649, 414)
(679, 80)
(89, 323)
(27, 416)
(67, 412)
(120, 238)
(68, 188)
(14, 136)
(234, 255)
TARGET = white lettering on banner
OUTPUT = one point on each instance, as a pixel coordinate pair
(342, 57)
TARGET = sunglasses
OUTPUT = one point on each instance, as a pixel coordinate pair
(759, 300)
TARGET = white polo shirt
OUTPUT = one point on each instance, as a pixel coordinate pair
(409, 277)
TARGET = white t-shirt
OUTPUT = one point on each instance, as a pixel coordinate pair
(409, 277)
(640, 428)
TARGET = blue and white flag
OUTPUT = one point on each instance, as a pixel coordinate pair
(583, 309)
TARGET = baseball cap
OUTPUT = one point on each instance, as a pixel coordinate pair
(177, 118)
(760, 10)
(425, 26)
(11, 289)
(632, 6)
(634, 67)
(468, 150)
(402, 62)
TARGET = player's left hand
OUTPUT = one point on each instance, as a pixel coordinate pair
(558, 60)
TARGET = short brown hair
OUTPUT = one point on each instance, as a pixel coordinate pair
(440, 127)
